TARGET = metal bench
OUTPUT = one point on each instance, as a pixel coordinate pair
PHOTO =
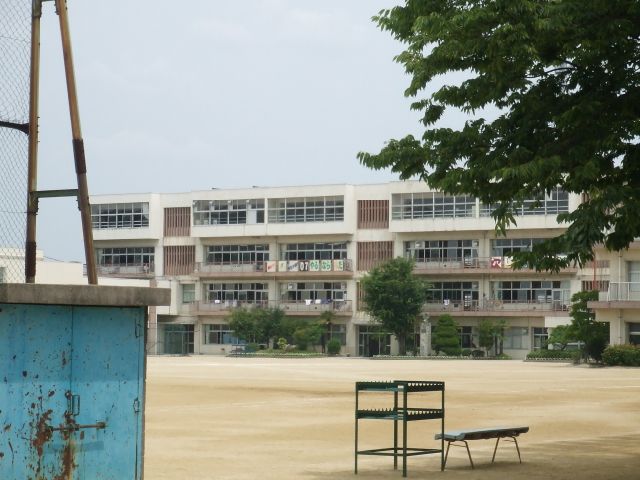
(482, 434)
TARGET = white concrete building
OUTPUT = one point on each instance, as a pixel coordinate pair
(619, 302)
(305, 248)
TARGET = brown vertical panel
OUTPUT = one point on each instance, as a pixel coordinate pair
(177, 222)
(179, 260)
(373, 213)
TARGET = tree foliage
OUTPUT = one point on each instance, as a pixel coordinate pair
(584, 326)
(394, 298)
(561, 336)
(445, 336)
(258, 325)
(564, 77)
(491, 335)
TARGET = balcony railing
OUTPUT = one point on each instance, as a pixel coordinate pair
(125, 270)
(304, 306)
(622, 292)
(496, 264)
(496, 306)
(202, 267)
(279, 266)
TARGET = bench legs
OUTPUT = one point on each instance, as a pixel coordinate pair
(449, 442)
(514, 440)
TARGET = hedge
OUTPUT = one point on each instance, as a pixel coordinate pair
(553, 354)
(624, 355)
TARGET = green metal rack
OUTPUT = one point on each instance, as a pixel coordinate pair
(402, 414)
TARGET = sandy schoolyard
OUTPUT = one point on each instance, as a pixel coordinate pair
(210, 417)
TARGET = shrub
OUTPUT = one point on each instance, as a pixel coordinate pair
(282, 343)
(333, 346)
(300, 338)
(445, 338)
(625, 355)
(554, 354)
(466, 352)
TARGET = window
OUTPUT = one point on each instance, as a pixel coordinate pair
(506, 247)
(338, 332)
(515, 338)
(188, 293)
(557, 201)
(412, 206)
(634, 334)
(314, 251)
(120, 215)
(306, 209)
(237, 293)
(465, 293)
(441, 250)
(312, 291)
(126, 256)
(219, 334)
(228, 212)
(236, 254)
(466, 337)
(599, 285)
(540, 338)
(528, 291)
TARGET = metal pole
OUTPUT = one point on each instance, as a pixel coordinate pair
(78, 144)
(32, 169)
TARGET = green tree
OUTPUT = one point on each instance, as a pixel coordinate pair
(243, 325)
(561, 336)
(445, 336)
(595, 335)
(394, 298)
(307, 334)
(486, 332)
(552, 93)
(268, 323)
(491, 335)
(256, 325)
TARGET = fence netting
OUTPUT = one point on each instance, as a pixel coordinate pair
(15, 53)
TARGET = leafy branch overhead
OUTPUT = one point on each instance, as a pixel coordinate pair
(560, 81)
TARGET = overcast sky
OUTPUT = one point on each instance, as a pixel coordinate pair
(180, 96)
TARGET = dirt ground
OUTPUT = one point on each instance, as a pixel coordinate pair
(248, 418)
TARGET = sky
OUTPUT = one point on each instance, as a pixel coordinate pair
(182, 96)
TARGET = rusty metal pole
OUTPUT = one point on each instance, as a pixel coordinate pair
(32, 169)
(78, 144)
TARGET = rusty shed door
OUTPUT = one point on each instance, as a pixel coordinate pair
(70, 403)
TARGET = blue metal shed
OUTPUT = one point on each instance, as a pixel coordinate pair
(72, 381)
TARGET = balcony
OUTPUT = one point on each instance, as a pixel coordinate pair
(477, 265)
(292, 308)
(499, 308)
(278, 269)
(623, 295)
(124, 271)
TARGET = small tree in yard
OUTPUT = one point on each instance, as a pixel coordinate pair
(243, 324)
(561, 336)
(595, 335)
(491, 335)
(394, 298)
(485, 335)
(445, 337)
(256, 325)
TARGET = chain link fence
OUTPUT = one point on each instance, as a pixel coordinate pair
(15, 56)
